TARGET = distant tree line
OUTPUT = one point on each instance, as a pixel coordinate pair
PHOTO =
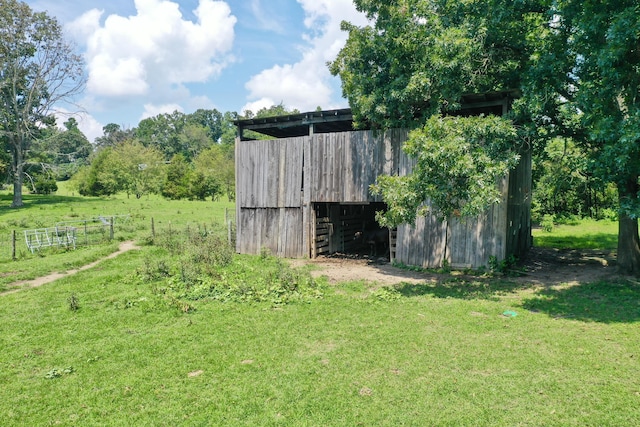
(177, 155)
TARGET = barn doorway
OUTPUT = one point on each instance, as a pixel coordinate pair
(352, 230)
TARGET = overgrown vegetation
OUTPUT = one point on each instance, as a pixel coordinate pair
(202, 266)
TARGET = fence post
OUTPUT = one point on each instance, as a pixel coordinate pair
(111, 229)
(153, 229)
(13, 245)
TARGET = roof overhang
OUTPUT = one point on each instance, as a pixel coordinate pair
(341, 120)
(302, 124)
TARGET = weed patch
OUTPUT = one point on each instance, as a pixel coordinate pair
(202, 266)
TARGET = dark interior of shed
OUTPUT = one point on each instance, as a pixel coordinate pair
(350, 230)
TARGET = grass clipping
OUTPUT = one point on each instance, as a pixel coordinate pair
(202, 266)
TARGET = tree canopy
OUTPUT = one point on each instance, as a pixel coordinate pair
(576, 65)
(38, 71)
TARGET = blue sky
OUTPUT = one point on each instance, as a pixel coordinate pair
(146, 57)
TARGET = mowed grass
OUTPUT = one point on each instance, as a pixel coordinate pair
(66, 205)
(582, 234)
(104, 347)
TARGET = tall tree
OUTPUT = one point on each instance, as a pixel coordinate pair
(38, 70)
(138, 169)
(66, 151)
(212, 120)
(176, 184)
(229, 130)
(98, 178)
(112, 135)
(604, 39)
(216, 167)
(163, 132)
(576, 64)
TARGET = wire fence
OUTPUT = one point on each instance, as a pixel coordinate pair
(67, 235)
(225, 231)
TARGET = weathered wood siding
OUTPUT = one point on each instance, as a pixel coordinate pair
(518, 232)
(278, 181)
(462, 243)
(275, 229)
(504, 230)
(269, 173)
(343, 165)
(268, 196)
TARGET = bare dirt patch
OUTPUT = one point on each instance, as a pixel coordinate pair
(27, 284)
(546, 267)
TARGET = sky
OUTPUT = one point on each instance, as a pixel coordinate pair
(148, 57)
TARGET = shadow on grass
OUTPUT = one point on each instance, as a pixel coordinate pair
(462, 289)
(583, 241)
(33, 200)
(607, 302)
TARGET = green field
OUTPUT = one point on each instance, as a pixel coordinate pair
(583, 234)
(148, 339)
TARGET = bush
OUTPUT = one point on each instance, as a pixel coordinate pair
(547, 223)
(44, 185)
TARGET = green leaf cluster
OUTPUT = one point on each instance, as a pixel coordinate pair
(459, 160)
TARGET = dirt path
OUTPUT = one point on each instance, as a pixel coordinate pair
(542, 267)
(28, 284)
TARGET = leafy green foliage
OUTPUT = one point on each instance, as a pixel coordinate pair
(138, 169)
(182, 134)
(198, 148)
(202, 266)
(565, 185)
(458, 162)
(112, 135)
(57, 373)
(98, 179)
(74, 302)
(44, 184)
(215, 170)
(411, 66)
(417, 58)
(38, 69)
(176, 183)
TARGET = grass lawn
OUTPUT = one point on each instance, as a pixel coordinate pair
(583, 234)
(113, 346)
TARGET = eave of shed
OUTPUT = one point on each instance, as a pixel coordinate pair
(302, 124)
(341, 120)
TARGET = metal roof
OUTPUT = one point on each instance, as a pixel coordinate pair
(341, 120)
(298, 124)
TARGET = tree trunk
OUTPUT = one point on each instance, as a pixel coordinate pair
(17, 169)
(628, 240)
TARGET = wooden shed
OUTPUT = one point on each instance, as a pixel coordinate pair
(306, 193)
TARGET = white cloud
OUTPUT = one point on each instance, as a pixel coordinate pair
(266, 18)
(151, 110)
(256, 106)
(90, 127)
(308, 83)
(156, 49)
